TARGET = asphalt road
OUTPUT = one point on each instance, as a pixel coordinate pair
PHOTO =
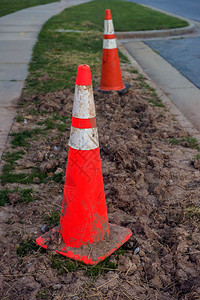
(184, 53)
(186, 8)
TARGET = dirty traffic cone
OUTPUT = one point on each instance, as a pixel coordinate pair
(111, 77)
(85, 234)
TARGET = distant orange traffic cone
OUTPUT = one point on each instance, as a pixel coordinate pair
(111, 77)
(86, 234)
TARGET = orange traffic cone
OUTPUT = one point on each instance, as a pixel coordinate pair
(86, 234)
(111, 78)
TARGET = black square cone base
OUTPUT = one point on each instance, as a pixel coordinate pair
(120, 92)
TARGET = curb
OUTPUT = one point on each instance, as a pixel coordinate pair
(156, 33)
(183, 121)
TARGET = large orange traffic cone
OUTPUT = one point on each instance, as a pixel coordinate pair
(111, 77)
(86, 234)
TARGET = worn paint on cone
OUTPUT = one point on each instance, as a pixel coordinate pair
(111, 78)
(86, 234)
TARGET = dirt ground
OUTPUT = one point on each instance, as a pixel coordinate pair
(152, 186)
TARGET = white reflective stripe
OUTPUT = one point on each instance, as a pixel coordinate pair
(83, 102)
(83, 139)
(108, 27)
(109, 44)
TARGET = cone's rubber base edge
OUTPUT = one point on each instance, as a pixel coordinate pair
(120, 92)
(90, 254)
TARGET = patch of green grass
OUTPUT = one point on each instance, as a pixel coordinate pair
(153, 99)
(126, 16)
(19, 118)
(27, 247)
(197, 157)
(119, 252)
(26, 195)
(4, 197)
(49, 124)
(156, 102)
(62, 127)
(11, 157)
(53, 219)
(33, 112)
(65, 265)
(19, 138)
(63, 65)
(188, 142)
(57, 178)
(193, 211)
(60, 118)
(10, 6)
(52, 122)
(123, 58)
(134, 71)
(101, 268)
(9, 177)
(43, 294)
(157, 52)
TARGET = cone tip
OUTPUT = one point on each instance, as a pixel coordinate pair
(83, 76)
(108, 15)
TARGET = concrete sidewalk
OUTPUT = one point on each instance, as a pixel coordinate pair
(18, 35)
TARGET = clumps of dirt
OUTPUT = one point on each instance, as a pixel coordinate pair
(151, 187)
(14, 197)
(196, 163)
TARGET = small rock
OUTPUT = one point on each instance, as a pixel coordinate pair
(124, 263)
(113, 126)
(156, 281)
(135, 137)
(59, 171)
(137, 250)
(40, 156)
(131, 244)
(48, 165)
(57, 286)
(196, 163)
(36, 180)
(44, 228)
(14, 198)
(28, 117)
(30, 264)
(165, 135)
